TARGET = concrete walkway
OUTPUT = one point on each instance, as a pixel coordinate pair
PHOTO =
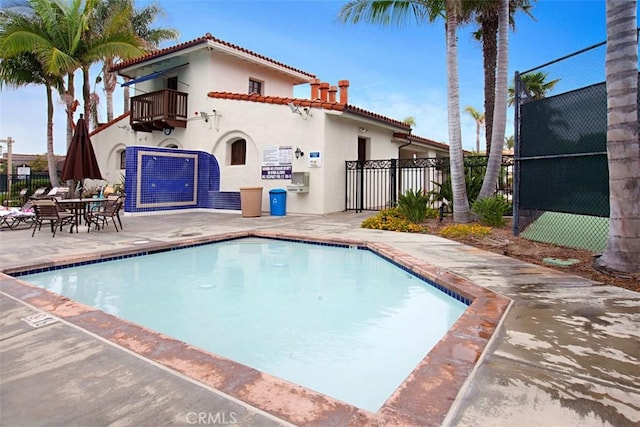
(567, 352)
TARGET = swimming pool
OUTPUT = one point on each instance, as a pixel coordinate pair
(329, 318)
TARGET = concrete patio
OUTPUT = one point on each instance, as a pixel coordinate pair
(566, 353)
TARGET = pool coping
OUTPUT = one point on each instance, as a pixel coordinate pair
(424, 398)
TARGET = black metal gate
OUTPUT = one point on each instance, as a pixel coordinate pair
(376, 184)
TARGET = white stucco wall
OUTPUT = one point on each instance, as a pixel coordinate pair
(212, 71)
(264, 125)
(107, 145)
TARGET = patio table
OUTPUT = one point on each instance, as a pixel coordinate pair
(79, 209)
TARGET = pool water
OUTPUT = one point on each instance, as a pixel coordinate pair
(340, 321)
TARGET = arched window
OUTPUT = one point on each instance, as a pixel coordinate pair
(123, 159)
(172, 146)
(239, 152)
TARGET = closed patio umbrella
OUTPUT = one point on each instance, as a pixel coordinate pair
(80, 162)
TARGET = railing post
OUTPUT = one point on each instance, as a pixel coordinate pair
(515, 203)
(393, 182)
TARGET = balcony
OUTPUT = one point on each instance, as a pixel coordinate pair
(164, 109)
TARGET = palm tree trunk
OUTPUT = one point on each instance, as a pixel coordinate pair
(500, 112)
(622, 252)
(489, 56)
(461, 211)
(69, 98)
(477, 137)
(110, 83)
(86, 92)
(51, 158)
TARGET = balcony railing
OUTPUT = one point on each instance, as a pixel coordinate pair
(164, 109)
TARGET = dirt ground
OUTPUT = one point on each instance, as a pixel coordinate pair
(502, 241)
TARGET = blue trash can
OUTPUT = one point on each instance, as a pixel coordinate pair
(278, 201)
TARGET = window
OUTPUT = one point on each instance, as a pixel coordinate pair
(239, 152)
(122, 159)
(172, 83)
(255, 86)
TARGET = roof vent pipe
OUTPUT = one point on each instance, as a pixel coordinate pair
(324, 88)
(315, 91)
(344, 91)
(332, 94)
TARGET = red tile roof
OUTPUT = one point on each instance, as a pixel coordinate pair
(416, 138)
(325, 105)
(202, 40)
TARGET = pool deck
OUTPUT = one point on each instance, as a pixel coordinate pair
(566, 352)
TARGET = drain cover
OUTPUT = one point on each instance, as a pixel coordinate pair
(40, 319)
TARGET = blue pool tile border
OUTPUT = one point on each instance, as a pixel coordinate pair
(428, 281)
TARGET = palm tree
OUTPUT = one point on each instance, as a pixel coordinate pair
(150, 39)
(486, 12)
(63, 42)
(534, 85)
(622, 252)
(509, 142)
(387, 13)
(461, 211)
(106, 37)
(25, 69)
(500, 108)
(409, 121)
(479, 118)
(50, 32)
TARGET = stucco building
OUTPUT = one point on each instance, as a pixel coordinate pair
(220, 117)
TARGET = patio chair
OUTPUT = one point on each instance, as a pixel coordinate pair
(39, 193)
(47, 210)
(14, 217)
(110, 211)
(19, 201)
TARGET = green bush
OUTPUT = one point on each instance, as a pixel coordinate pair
(492, 210)
(444, 190)
(413, 204)
(393, 220)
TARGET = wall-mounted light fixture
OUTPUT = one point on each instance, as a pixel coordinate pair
(305, 113)
(363, 130)
(299, 153)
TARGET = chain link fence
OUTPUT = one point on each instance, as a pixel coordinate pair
(562, 178)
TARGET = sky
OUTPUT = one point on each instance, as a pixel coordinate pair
(397, 72)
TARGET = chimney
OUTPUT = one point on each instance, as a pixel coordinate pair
(315, 93)
(332, 94)
(324, 87)
(344, 91)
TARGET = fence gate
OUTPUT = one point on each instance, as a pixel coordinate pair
(373, 185)
(376, 184)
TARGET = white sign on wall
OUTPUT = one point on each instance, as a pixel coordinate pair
(276, 162)
(315, 159)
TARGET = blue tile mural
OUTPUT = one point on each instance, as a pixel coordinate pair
(167, 179)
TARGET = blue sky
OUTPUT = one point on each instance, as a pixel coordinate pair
(397, 72)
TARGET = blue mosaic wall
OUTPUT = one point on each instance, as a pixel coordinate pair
(167, 179)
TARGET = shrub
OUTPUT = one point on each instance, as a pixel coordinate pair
(392, 220)
(492, 210)
(413, 204)
(444, 190)
(464, 231)
(432, 213)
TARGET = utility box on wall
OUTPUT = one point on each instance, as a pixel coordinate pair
(299, 182)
